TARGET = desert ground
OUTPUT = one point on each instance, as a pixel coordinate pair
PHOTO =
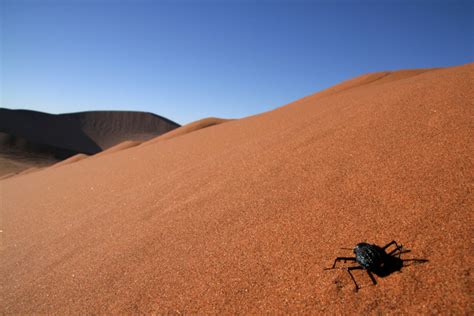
(243, 216)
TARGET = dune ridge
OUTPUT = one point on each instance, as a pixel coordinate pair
(188, 128)
(244, 216)
(121, 146)
(70, 160)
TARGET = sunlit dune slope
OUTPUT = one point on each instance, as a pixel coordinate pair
(244, 216)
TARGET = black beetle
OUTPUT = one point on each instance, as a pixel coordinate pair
(372, 258)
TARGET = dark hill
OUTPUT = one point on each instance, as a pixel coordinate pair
(25, 134)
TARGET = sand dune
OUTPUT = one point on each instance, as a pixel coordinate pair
(244, 216)
(37, 139)
(109, 128)
(191, 127)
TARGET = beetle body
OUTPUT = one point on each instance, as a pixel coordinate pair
(370, 257)
(373, 259)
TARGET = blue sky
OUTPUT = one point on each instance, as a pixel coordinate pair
(186, 60)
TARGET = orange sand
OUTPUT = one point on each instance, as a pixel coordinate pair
(243, 217)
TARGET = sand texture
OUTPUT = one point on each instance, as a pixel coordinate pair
(243, 217)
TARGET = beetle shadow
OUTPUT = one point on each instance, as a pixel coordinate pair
(395, 263)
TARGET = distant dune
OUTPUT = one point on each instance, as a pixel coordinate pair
(243, 217)
(109, 128)
(39, 139)
(191, 127)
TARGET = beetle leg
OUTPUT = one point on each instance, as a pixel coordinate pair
(389, 244)
(372, 277)
(357, 287)
(399, 249)
(342, 259)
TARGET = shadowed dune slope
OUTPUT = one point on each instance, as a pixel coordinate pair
(36, 138)
(109, 128)
(82, 132)
(17, 154)
(194, 126)
(37, 129)
(243, 217)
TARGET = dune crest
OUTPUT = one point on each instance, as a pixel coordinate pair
(188, 128)
(70, 160)
(183, 130)
(119, 147)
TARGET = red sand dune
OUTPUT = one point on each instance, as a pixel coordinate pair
(243, 217)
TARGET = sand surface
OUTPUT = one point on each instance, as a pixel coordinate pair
(244, 216)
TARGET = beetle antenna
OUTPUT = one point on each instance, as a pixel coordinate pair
(347, 248)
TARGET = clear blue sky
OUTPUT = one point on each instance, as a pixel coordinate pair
(186, 60)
